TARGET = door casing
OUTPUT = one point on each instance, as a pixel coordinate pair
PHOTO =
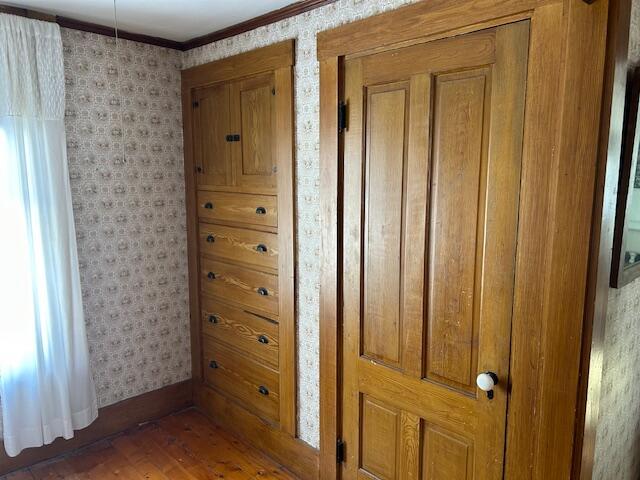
(562, 110)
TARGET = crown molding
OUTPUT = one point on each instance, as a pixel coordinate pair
(253, 23)
(271, 17)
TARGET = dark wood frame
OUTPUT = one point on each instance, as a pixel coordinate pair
(281, 443)
(621, 276)
(564, 85)
(271, 17)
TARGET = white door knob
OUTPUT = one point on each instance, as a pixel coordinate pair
(486, 381)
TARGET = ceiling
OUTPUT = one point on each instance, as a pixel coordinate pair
(178, 20)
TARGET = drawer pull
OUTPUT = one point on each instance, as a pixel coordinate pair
(263, 390)
(263, 291)
(213, 319)
(211, 276)
(263, 339)
(261, 211)
(208, 205)
(211, 238)
(261, 248)
(213, 364)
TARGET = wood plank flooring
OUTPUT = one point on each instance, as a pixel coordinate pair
(184, 446)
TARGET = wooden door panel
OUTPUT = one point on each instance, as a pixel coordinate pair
(254, 116)
(380, 428)
(431, 181)
(445, 455)
(382, 324)
(212, 151)
(455, 240)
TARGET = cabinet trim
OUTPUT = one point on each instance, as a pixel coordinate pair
(266, 59)
(278, 59)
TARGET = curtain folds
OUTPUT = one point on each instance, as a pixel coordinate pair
(46, 388)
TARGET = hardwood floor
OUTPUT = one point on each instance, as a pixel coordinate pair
(183, 446)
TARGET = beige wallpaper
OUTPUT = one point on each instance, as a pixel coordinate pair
(617, 455)
(129, 213)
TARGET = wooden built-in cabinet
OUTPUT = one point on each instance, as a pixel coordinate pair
(238, 125)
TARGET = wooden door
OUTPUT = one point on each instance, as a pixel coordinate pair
(211, 141)
(253, 116)
(432, 158)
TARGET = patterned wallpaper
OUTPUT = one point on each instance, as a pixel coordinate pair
(303, 28)
(129, 212)
(617, 455)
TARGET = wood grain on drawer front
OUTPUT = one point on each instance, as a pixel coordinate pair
(240, 285)
(233, 372)
(238, 208)
(239, 244)
(250, 333)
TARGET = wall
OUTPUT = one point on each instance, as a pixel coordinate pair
(617, 455)
(303, 28)
(130, 214)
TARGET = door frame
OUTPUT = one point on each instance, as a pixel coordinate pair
(559, 164)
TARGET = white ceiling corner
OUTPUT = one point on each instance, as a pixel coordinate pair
(171, 19)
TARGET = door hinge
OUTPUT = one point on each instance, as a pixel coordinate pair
(233, 138)
(340, 449)
(342, 117)
(196, 104)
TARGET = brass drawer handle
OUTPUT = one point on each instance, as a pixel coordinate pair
(261, 211)
(211, 238)
(263, 291)
(213, 319)
(211, 276)
(262, 248)
(263, 390)
(213, 364)
(208, 205)
(263, 339)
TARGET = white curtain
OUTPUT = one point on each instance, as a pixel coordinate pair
(46, 388)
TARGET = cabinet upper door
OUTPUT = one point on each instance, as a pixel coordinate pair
(211, 130)
(253, 117)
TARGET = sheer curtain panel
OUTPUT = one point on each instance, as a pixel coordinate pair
(46, 388)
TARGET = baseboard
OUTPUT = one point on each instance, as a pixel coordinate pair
(292, 453)
(112, 419)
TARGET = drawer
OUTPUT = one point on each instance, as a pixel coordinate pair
(250, 333)
(239, 244)
(238, 207)
(241, 285)
(252, 383)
